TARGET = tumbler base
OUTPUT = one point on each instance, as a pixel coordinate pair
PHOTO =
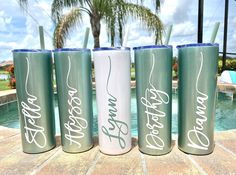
(159, 154)
(195, 153)
(110, 154)
(28, 152)
(75, 152)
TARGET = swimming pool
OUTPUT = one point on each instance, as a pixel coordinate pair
(225, 114)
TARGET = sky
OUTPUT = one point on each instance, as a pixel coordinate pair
(19, 29)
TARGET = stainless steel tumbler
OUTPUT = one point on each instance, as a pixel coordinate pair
(153, 67)
(74, 89)
(33, 71)
(112, 74)
(197, 97)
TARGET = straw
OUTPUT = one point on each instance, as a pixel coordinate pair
(124, 44)
(214, 32)
(41, 37)
(168, 35)
(86, 35)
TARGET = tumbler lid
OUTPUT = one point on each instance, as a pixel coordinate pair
(30, 50)
(198, 45)
(70, 50)
(110, 48)
(152, 47)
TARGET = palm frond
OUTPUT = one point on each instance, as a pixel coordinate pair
(64, 25)
(103, 7)
(149, 20)
(110, 24)
(114, 19)
(56, 10)
(23, 3)
(156, 3)
(121, 10)
(58, 5)
(120, 27)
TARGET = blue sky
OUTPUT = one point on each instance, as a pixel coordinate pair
(19, 29)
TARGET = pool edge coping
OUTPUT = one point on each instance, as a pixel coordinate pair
(8, 96)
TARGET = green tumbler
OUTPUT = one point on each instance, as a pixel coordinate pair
(74, 89)
(153, 66)
(33, 71)
(197, 97)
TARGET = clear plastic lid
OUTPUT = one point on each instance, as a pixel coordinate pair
(197, 45)
(152, 47)
(110, 48)
(70, 50)
(31, 50)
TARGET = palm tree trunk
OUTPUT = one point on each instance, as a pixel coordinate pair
(96, 26)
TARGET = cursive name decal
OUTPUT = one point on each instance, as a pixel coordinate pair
(152, 100)
(31, 112)
(117, 128)
(76, 124)
(197, 139)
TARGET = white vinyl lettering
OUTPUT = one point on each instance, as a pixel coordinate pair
(76, 124)
(152, 100)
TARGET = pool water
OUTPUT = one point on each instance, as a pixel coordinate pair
(225, 114)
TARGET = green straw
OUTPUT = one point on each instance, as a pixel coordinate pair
(41, 37)
(86, 37)
(124, 44)
(214, 32)
(168, 35)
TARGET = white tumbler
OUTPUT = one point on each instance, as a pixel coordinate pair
(112, 74)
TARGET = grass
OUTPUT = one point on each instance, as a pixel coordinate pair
(4, 85)
(132, 73)
(3, 72)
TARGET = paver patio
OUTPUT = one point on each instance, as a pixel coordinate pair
(14, 161)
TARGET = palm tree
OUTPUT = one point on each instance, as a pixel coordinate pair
(114, 12)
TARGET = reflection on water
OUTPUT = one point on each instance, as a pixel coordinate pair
(225, 114)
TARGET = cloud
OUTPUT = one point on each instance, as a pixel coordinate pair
(19, 30)
(175, 12)
(234, 21)
(184, 20)
(182, 11)
(184, 29)
(9, 45)
(231, 43)
(5, 20)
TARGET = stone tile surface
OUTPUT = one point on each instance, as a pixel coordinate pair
(174, 162)
(219, 162)
(66, 163)
(129, 163)
(10, 146)
(225, 135)
(93, 162)
(7, 96)
(5, 133)
(228, 144)
(22, 163)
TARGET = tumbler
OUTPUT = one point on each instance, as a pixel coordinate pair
(153, 70)
(197, 97)
(74, 89)
(33, 72)
(112, 74)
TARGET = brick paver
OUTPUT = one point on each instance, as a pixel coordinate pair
(92, 162)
